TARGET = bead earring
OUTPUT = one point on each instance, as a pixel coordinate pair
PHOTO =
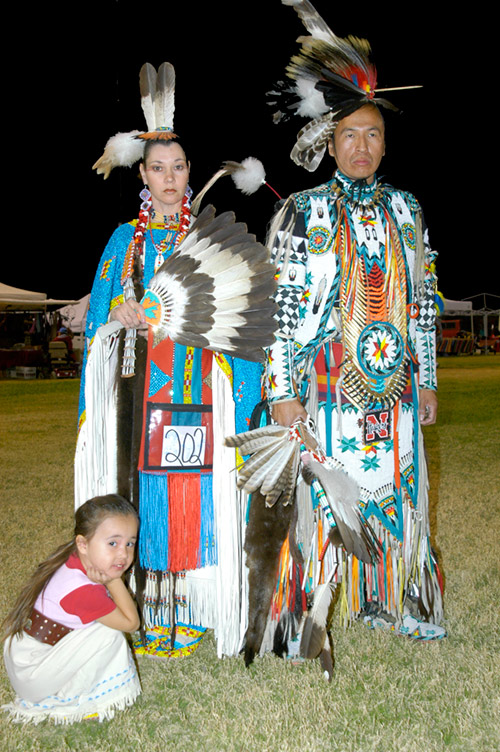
(145, 195)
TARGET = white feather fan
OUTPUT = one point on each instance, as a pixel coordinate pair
(215, 290)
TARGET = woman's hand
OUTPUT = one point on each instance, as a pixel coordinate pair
(131, 314)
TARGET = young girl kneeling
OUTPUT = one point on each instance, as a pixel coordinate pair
(65, 652)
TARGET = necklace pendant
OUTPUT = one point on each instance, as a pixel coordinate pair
(158, 260)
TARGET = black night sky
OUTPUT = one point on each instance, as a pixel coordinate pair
(76, 83)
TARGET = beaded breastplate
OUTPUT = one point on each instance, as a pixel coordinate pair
(373, 297)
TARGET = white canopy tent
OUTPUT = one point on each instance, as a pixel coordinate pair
(75, 315)
(16, 299)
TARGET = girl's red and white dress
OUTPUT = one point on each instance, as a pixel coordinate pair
(90, 671)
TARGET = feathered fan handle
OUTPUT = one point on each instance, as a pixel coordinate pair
(274, 462)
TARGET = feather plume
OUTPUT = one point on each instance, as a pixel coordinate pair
(165, 96)
(121, 150)
(324, 55)
(158, 105)
(310, 18)
(328, 76)
(247, 176)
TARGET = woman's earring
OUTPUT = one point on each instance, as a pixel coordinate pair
(145, 195)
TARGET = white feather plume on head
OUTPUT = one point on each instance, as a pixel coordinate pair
(121, 150)
(250, 175)
(312, 102)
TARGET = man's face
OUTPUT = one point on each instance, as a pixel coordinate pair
(358, 143)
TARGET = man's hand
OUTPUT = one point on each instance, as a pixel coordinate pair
(427, 408)
(285, 413)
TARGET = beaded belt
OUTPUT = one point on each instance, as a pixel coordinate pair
(44, 629)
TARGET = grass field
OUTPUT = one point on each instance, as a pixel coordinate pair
(387, 694)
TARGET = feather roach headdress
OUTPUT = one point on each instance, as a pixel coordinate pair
(332, 78)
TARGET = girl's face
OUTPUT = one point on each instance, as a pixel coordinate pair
(110, 551)
(166, 172)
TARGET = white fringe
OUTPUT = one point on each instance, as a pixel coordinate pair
(95, 457)
(106, 713)
(229, 510)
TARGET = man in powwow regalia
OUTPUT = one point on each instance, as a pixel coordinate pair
(354, 363)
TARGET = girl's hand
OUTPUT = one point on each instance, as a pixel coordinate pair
(95, 575)
(125, 616)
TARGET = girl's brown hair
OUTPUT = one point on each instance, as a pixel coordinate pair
(88, 517)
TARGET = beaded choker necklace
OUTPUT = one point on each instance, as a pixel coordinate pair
(176, 226)
(174, 235)
(356, 191)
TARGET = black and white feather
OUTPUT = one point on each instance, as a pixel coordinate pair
(315, 640)
(274, 463)
(215, 290)
(158, 95)
(342, 493)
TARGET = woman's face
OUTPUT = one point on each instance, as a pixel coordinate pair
(167, 173)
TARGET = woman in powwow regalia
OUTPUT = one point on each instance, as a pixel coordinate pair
(158, 435)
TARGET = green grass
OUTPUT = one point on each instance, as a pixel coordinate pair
(387, 694)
